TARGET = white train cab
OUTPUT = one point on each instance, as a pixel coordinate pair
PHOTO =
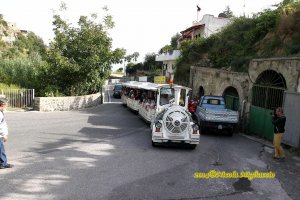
(165, 107)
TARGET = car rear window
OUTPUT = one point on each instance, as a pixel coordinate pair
(118, 87)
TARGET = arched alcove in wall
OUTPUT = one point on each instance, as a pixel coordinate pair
(201, 92)
(232, 99)
(271, 78)
(267, 94)
(268, 90)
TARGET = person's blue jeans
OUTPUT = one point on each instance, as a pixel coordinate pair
(3, 159)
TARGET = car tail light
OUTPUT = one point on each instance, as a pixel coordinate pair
(195, 129)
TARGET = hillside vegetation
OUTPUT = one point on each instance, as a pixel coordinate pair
(21, 58)
(271, 33)
(76, 62)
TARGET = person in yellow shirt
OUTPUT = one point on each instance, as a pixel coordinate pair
(278, 120)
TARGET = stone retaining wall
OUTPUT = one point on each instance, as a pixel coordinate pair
(215, 81)
(289, 68)
(66, 103)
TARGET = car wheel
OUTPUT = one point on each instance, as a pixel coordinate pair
(202, 130)
(154, 144)
(230, 132)
(192, 146)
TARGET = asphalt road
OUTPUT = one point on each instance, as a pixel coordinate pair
(105, 153)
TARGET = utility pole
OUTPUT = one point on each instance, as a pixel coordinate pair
(244, 7)
(124, 68)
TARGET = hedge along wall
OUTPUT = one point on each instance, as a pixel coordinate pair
(66, 103)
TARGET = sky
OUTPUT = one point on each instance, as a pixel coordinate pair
(143, 26)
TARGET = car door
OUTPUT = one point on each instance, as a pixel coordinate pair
(197, 113)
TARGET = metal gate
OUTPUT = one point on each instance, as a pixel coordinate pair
(232, 102)
(264, 100)
(19, 98)
(292, 112)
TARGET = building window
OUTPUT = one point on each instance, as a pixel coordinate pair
(164, 66)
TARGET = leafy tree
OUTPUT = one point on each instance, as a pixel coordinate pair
(150, 63)
(132, 57)
(129, 58)
(120, 69)
(174, 40)
(30, 44)
(80, 58)
(2, 21)
(24, 47)
(172, 46)
(165, 49)
(192, 52)
(228, 12)
(131, 68)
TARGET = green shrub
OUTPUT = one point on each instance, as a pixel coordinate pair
(4, 86)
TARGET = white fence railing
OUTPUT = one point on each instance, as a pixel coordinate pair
(19, 98)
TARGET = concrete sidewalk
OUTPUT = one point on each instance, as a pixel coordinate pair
(287, 171)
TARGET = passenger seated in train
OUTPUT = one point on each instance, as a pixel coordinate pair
(147, 104)
(142, 97)
(137, 95)
(128, 92)
(164, 99)
(152, 104)
(131, 94)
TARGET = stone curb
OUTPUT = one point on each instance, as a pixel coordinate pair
(259, 140)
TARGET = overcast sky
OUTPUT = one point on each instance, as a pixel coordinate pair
(142, 26)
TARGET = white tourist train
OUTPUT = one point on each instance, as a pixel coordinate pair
(164, 106)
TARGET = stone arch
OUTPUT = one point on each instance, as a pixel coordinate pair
(232, 98)
(286, 67)
(231, 91)
(268, 90)
(238, 86)
(267, 93)
(271, 78)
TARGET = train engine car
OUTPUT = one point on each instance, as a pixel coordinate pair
(172, 122)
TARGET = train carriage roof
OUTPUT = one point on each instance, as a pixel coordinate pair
(150, 86)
